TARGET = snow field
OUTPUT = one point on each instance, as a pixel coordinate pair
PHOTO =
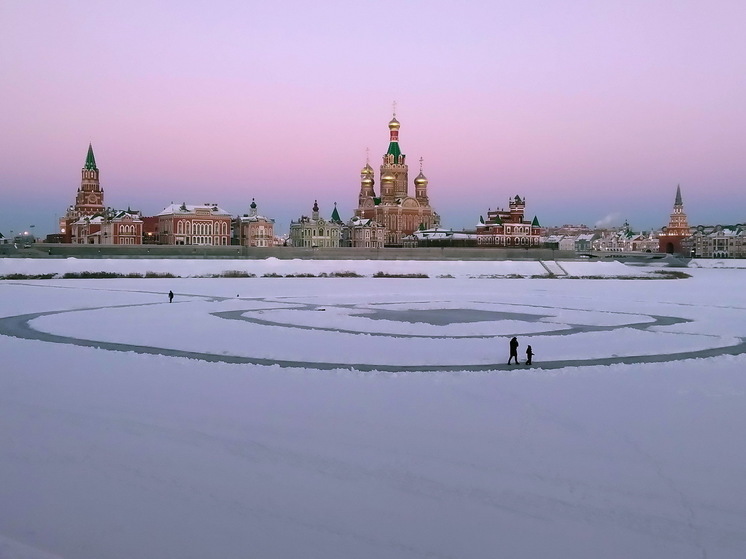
(121, 454)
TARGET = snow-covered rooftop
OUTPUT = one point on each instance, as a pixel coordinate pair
(192, 208)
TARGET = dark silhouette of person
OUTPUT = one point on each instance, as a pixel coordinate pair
(170, 296)
(529, 355)
(513, 351)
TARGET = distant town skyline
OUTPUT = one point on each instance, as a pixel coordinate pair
(593, 113)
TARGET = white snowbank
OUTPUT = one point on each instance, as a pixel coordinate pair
(203, 267)
(121, 455)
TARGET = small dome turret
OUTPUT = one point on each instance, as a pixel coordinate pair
(394, 124)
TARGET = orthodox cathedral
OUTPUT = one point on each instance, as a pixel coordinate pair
(394, 208)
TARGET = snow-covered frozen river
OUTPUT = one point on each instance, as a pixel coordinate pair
(373, 417)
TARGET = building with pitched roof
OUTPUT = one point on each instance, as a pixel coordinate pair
(204, 225)
(108, 227)
(625, 239)
(315, 231)
(360, 232)
(719, 241)
(395, 208)
(508, 228)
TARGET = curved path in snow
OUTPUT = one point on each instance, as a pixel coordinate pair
(18, 326)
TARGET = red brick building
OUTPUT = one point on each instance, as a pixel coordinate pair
(110, 227)
(509, 228)
(206, 224)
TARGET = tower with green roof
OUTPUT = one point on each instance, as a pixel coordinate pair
(90, 159)
(394, 167)
(335, 215)
(90, 198)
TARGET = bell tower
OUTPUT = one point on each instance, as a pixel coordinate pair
(367, 183)
(90, 197)
(89, 200)
(420, 187)
(395, 163)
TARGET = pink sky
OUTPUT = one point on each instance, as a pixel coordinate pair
(587, 109)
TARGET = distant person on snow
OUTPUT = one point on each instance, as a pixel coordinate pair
(529, 355)
(513, 351)
(170, 296)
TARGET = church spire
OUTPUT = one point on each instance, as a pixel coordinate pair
(394, 154)
(90, 197)
(394, 171)
(420, 186)
(90, 160)
(335, 215)
(678, 201)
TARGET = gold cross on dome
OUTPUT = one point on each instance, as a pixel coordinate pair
(394, 105)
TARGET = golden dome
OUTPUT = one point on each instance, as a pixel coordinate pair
(367, 170)
(421, 179)
(388, 177)
(367, 181)
(394, 124)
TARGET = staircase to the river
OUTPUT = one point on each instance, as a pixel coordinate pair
(553, 267)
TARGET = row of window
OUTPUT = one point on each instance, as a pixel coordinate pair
(202, 240)
(187, 227)
(319, 244)
(498, 240)
(319, 232)
(516, 230)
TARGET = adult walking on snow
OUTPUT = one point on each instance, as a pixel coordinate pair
(513, 350)
(170, 296)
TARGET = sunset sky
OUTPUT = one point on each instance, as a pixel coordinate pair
(594, 111)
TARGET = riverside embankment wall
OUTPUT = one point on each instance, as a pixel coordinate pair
(43, 250)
